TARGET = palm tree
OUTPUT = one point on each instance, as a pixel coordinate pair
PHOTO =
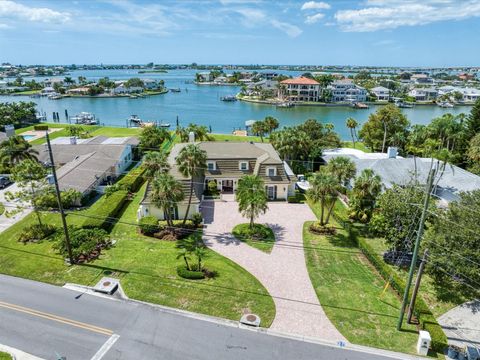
(155, 162)
(352, 125)
(15, 149)
(324, 190)
(166, 193)
(259, 129)
(343, 168)
(191, 162)
(182, 133)
(367, 187)
(271, 124)
(251, 197)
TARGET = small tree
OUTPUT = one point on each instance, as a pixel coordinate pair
(252, 197)
(352, 124)
(271, 124)
(16, 149)
(343, 168)
(166, 194)
(155, 162)
(259, 129)
(365, 191)
(30, 177)
(152, 137)
(324, 190)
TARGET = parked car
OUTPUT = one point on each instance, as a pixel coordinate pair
(4, 182)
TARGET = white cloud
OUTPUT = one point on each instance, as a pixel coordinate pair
(312, 19)
(11, 9)
(252, 17)
(4, 26)
(391, 14)
(289, 29)
(315, 5)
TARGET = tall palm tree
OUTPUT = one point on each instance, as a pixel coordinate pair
(259, 129)
(166, 194)
(366, 189)
(191, 162)
(15, 149)
(324, 190)
(352, 125)
(271, 124)
(155, 162)
(343, 168)
(252, 197)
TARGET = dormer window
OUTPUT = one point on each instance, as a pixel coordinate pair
(271, 171)
(211, 165)
(243, 165)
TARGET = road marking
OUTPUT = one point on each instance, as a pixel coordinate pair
(56, 318)
(105, 347)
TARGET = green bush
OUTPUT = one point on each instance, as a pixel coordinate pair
(86, 244)
(183, 272)
(293, 199)
(424, 314)
(41, 127)
(197, 219)
(104, 210)
(48, 200)
(36, 232)
(148, 225)
(177, 224)
(132, 181)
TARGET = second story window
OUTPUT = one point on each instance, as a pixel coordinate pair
(271, 171)
(211, 165)
(243, 165)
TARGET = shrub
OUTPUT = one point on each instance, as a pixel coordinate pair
(316, 228)
(36, 232)
(133, 180)
(259, 232)
(148, 225)
(197, 219)
(293, 199)
(86, 244)
(40, 127)
(48, 201)
(104, 210)
(183, 272)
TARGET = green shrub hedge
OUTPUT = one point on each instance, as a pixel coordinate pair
(104, 210)
(132, 181)
(148, 225)
(293, 199)
(36, 232)
(40, 127)
(425, 317)
(183, 272)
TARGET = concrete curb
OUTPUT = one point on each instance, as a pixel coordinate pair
(220, 321)
(18, 354)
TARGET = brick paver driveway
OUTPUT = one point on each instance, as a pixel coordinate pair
(283, 272)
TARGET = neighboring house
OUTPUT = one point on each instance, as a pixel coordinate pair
(220, 80)
(151, 84)
(395, 169)
(468, 94)
(48, 90)
(88, 164)
(227, 162)
(381, 93)
(423, 94)
(421, 79)
(252, 89)
(51, 82)
(122, 89)
(346, 91)
(269, 75)
(84, 90)
(205, 76)
(300, 89)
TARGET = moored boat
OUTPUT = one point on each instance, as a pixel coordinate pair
(84, 118)
(229, 98)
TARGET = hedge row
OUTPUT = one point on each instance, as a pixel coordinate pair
(426, 318)
(133, 180)
(103, 212)
(40, 127)
(183, 272)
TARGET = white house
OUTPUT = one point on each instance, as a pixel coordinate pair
(345, 90)
(122, 89)
(423, 94)
(381, 93)
(151, 84)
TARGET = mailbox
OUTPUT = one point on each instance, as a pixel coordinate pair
(423, 343)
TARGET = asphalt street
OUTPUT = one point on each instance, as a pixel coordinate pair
(49, 321)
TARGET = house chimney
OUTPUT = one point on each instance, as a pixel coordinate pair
(392, 152)
(191, 137)
(73, 140)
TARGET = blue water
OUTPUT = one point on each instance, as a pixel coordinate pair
(202, 105)
(28, 137)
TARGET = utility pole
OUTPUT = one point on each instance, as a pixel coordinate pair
(59, 200)
(417, 286)
(428, 189)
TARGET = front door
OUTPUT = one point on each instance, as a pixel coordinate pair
(227, 186)
(272, 192)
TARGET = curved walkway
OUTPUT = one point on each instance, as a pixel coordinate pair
(283, 272)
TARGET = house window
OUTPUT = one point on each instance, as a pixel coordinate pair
(243, 165)
(271, 171)
(211, 165)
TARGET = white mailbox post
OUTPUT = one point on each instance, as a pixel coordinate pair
(423, 343)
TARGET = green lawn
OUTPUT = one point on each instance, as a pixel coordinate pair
(226, 137)
(350, 292)
(146, 267)
(261, 237)
(358, 145)
(5, 356)
(27, 92)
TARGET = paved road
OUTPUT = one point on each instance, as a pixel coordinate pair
(462, 324)
(46, 320)
(283, 272)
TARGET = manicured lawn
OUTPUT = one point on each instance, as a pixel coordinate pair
(358, 145)
(5, 356)
(146, 267)
(27, 92)
(2, 209)
(350, 292)
(226, 137)
(260, 237)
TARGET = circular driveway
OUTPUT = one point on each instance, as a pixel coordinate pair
(283, 272)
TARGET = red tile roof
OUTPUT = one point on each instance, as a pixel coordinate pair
(300, 81)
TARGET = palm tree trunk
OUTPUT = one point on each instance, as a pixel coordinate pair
(384, 136)
(251, 220)
(329, 212)
(189, 202)
(322, 204)
(353, 138)
(186, 262)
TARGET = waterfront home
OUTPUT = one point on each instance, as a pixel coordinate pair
(421, 79)
(48, 90)
(381, 93)
(53, 81)
(220, 80)
(394, 169)
(468, 94)
(122, 89)
(268, 75)
(227, 162)
(346, 91)
(89, 164)
(204, 76)
(300, 89)
(83, 90)
(256, 87)
(423, 94)
(151, 84)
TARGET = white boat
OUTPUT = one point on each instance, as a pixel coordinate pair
(302, 184)
(54, 96)
(135, 120)
(445, 104)
(403, 105)
(177, 90)
(84, 118)
(229, 98)
(285, 104)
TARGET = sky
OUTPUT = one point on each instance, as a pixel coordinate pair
(432, 33)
